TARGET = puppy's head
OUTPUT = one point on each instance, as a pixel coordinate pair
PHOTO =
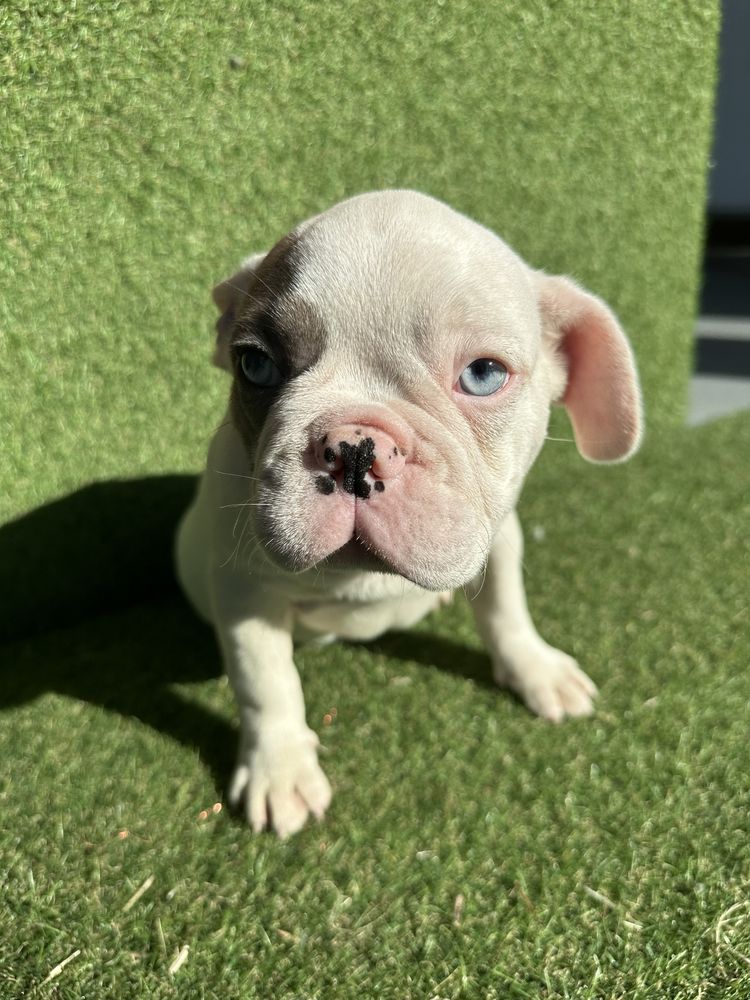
(393, 369)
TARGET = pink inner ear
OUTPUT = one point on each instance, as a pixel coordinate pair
(602, 395)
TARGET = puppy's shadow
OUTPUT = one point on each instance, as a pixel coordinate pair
(105, 547)
(91, 610)
(437, 652)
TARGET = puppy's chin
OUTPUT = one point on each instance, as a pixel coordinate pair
(356, 556)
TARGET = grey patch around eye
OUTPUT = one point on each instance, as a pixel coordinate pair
(291, 334)
(259, 330)
(248, 411)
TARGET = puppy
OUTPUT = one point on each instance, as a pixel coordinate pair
(393, 365)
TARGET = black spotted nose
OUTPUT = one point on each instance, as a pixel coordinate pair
(356, 461)
(358, 458)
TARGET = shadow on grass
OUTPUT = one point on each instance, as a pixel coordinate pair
(105, 547)
(439, 653)
(92, 611)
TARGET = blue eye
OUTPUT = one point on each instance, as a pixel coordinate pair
(483, 377)
(259, 369)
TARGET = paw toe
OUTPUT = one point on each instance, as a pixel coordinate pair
(315, 790)
(238, 784)
(288, 812)
(576, 702)
(551, 684)
(280, 788)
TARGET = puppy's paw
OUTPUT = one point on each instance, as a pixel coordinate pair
(548, 681)
(279, 781)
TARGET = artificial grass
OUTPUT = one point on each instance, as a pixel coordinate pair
(146, 147)
(444, 787)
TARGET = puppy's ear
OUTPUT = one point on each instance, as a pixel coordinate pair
(602, 394)
(228, 296)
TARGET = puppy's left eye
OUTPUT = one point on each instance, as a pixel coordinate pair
(259, 368)
(483, 377)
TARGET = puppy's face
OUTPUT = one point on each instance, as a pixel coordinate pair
(394, 365)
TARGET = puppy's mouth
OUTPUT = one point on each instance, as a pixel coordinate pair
(356, 554)
(339, 540)
(328, 532)
(411, 520)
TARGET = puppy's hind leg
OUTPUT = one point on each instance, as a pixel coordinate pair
(549, 681)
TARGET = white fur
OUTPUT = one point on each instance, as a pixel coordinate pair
(404, 292)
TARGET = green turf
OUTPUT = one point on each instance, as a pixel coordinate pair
(144, 148)
(444, 787)
(138, 165)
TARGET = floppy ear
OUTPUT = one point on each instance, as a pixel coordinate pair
(228, 295)
(602, 394)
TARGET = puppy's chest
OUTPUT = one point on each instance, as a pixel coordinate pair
(360, 619)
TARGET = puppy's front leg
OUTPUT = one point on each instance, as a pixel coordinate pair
(549, 681)
(277, 778)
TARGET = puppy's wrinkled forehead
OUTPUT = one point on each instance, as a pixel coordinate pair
(378, 268)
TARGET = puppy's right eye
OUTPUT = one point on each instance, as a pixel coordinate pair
(259, 368)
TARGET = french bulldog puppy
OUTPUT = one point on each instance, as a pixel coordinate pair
(393, 365)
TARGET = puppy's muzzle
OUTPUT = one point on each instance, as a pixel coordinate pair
(357, 459)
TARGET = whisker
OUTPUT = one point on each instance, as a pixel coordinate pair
(249, 559)
(237, 475)
(243, 291)
(486, 561)
(479, 589)
(246, 503)
(229, 558)
(242, 535)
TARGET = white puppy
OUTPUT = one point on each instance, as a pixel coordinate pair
(393, 365)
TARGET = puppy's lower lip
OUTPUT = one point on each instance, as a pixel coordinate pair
(355, 555)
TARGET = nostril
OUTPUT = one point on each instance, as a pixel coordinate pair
(326, 458)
